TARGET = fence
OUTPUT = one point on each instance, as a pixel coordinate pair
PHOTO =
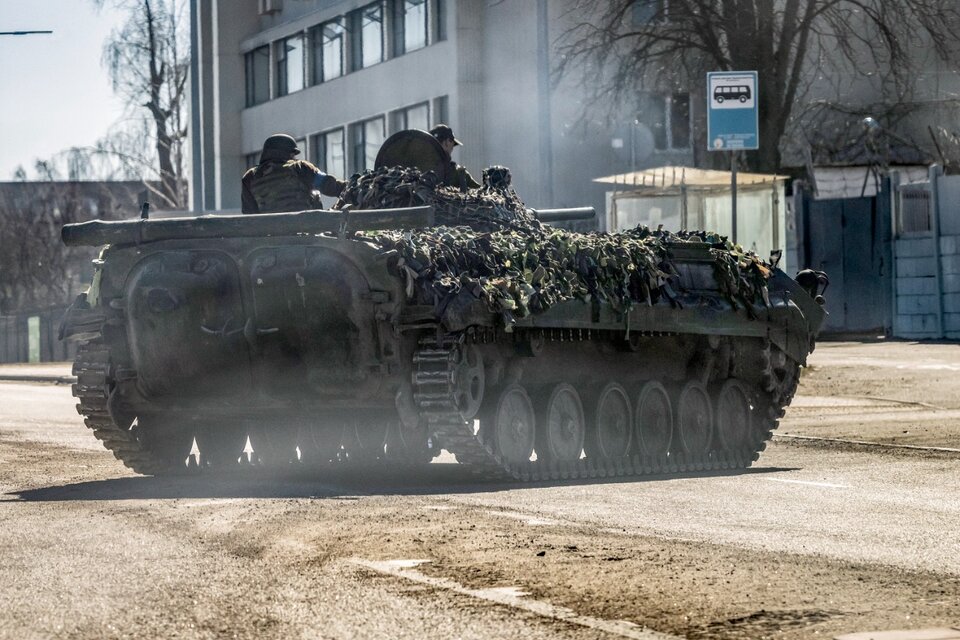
(32, 337)
(927, 264)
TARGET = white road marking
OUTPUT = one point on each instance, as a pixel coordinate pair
(210, 502)
(828, 485)
(526, 519)
(513, 597)
(406, 564)
(866, 443)
(930, 367)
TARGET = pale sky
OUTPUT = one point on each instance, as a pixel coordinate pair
(54, 93)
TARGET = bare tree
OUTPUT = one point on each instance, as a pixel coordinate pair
(623, 44)
(36, 270)
(148, 61)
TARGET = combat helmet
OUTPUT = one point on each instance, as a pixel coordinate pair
(279, 146)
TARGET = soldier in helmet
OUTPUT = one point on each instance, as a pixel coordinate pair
(457, 175)
(282, 183)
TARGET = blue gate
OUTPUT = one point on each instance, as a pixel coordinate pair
(850, 239)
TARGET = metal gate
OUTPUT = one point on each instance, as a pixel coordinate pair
(850, 239)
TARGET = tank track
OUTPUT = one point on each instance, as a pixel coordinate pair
(436, 395)
(435, 392)
(93, 389)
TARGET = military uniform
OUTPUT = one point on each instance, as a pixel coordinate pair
(275, 186)
(283, 183)
(457, 175)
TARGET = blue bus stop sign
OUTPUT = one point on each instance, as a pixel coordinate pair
(732, 111)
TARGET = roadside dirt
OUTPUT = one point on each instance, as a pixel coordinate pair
(280, 533)
(890, 392)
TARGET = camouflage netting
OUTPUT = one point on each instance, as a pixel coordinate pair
(490, 248)
(493, 207)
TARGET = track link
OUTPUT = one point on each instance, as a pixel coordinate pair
(435, 394)
(93, 389)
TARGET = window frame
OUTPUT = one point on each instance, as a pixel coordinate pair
(665, 128)
(250, 79)
(282, 70)
(359, 143)
(660, 14)
(318, 50)
(400, 118)
(401, 32)
(356, 22)
(319, 147)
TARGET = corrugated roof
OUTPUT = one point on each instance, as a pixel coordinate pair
(676, 176)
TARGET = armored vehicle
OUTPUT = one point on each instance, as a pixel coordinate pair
(414, 318)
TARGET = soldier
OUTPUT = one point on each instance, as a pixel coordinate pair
(457, 175)
(282, 183)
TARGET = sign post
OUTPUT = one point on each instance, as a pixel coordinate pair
(732, 121)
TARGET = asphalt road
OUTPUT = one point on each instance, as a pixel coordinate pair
(817, 539)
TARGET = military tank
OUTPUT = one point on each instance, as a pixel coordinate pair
(413, 318)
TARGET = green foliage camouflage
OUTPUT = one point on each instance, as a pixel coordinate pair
(488, 247)
(492, 207)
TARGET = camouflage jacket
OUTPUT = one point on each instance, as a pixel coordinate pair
(458, 176)
(275, 186)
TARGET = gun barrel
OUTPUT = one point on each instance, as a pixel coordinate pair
(564, 215)
(96, 233)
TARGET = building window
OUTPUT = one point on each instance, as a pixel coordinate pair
(252, 159)
(669, 120)
(365, 140)
(290, 64)
(327, 52)
(367, 35)
(257, 64)
(645, 12)
(414, 117)
(441, 110)
(413, 24)
(440, 16)
(329, 153)
(680, 121)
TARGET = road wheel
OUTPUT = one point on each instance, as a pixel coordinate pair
(409, 446)
(653, 421)
(561, 427)
(167, 442)
(510, 429)
(320, 443)
(610, 436)
(366, 439)
(469, 378)
(734, 414)
(221, 444)
(694, 419)
(274, 445)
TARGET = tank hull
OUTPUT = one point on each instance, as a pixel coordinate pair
(315, 348)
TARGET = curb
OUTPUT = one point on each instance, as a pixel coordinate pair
(47, 379)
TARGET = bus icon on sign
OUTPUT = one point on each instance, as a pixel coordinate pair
(724, 92)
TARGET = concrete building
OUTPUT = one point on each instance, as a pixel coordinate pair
(342, 75)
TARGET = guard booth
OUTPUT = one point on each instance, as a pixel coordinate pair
(687, 198)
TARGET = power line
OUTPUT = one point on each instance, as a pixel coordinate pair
(21, 33)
